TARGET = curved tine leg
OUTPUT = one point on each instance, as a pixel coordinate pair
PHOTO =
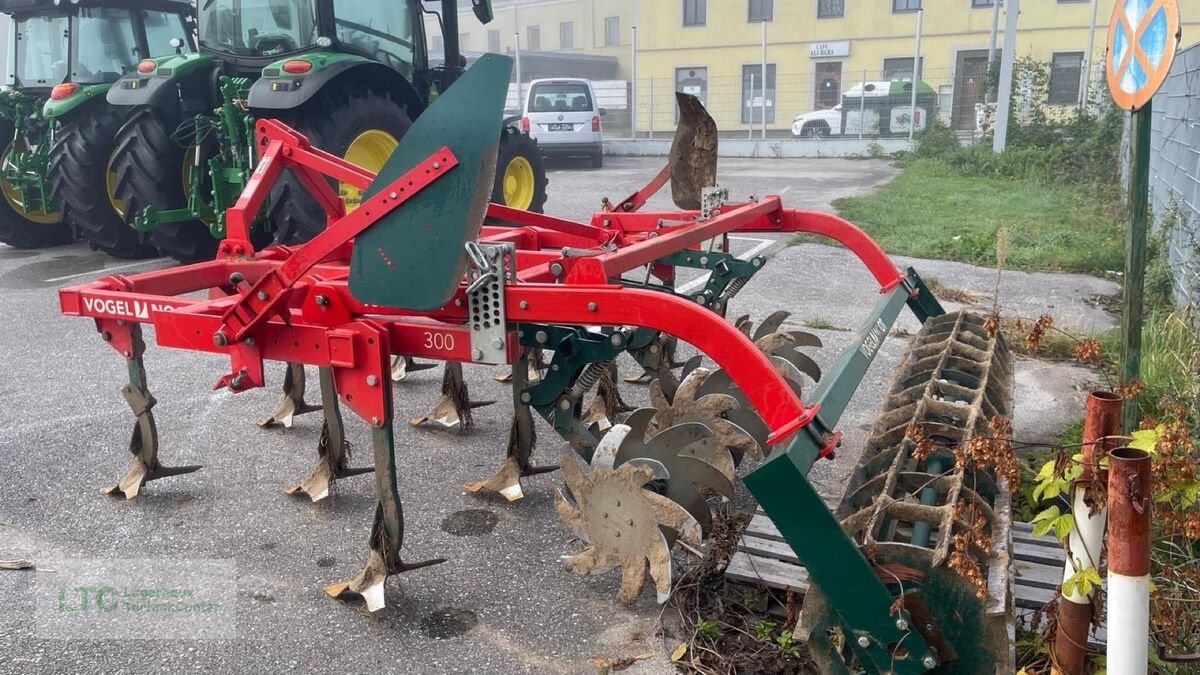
(387, 530)
(143, 444)
(403, 366)
(333, 450)
(292, 404)
(522, 437)
(608, 404)
(453, 409)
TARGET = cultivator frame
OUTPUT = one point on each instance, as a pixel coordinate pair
(527, 282)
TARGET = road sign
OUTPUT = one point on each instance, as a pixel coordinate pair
(1142, 38)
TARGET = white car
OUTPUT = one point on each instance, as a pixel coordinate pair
(819, 123)
(564, 117)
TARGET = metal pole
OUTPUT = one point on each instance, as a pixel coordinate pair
(517, 53)
(862, 105)
(1101, 423)
(1128, 561)
(633, 46)
(1085, 75)
(992, 37)
(1012, 10)
(750, 118)
(916, 78)
(1135, 255)
(764, 80)
(651, 113)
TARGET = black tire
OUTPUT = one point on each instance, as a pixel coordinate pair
(515, 145)
(78, 175)
(150, 172)
(598, 160)
(16, 229)
(332, 122)
(815, 130)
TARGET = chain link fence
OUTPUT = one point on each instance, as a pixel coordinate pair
(1175, 171)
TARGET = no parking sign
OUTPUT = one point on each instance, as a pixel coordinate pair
(1142, 38)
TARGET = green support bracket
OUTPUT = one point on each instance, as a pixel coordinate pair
(726, 270)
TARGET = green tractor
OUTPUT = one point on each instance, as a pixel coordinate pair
(58, 132)
(349, 74)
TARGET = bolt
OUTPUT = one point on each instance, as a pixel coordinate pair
(757, 262)
(541, 337)
(106, 336)
(372, 380)
(120, 322)
(901, 625)
(556, 269)
(219, 339)
(565, 404)
(592, 306)
(437, 165)
(458, 302)
(929, 662)
(262, 295)
(864, 641)
(653, 349)
(498, 343)
(236, 278)
(524, 304)
(127, 354)
(374, 421)
(617, 339)
(607, 223)
(554, 367)
(701, 300)
(704, 260)
(393, 195)
(249, 341)
(526, 398)
(652, 235)
(477, 354)
(323, 300)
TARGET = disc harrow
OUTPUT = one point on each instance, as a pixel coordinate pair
(560, 302)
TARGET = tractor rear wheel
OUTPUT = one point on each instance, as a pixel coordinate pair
(80, 163)
(21, 229)
(154, 170)
(360, 126)
(520, 173)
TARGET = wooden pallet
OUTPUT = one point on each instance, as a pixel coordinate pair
(762, 557)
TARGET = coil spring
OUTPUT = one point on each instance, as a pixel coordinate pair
(734, 288)
(588, 379)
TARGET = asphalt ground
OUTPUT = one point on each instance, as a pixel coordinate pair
(501, 604)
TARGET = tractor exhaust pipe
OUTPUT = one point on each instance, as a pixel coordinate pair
(453, 63)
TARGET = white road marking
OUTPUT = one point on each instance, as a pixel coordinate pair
(101, 272)
(763, 244)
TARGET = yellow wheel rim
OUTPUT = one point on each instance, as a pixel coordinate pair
(370, 150)
(110, 182)
(518, 183)
(13, 196)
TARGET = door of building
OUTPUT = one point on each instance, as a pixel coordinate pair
(970, 86)
(829, 85)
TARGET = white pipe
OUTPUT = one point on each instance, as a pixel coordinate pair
(1085, 75)
(1012, 9)
(764, 80)
(517, 52)
(750, 117)
(1085, 541)
(912, 110)
(633, 46)
(1128, 624)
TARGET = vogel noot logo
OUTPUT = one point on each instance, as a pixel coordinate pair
(124, 308)
(108, 599)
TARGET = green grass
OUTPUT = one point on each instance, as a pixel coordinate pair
(932, 211)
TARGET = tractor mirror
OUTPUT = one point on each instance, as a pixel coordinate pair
(483, 10)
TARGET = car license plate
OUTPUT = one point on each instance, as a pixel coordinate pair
(566, 126)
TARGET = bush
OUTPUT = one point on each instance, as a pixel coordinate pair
(937, 142)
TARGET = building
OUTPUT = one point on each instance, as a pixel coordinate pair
(816, 49)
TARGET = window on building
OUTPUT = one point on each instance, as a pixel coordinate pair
(899, 69)
(828, 9)
(534, 37)
(695, 12)
(612, 31)
(906, 5)
(494, 41)
(1065, 69)
(982, 3)
(762, 10)
(693, 81)
(566, 35)
(464, 40)
(828, 91)
(755, 96)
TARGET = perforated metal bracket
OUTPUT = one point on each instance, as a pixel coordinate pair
(491, 267)
(711, 200)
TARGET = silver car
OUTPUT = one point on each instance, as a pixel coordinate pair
(564, 117)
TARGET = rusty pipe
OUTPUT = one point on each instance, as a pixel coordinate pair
(1101, 422)
(1128, 599)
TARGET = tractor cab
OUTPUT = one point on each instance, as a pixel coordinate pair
(90, 42)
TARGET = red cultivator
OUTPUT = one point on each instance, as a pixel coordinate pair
(426, 269)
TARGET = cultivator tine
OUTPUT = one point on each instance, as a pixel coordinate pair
(621, 521)
(608, 404)
(403, 366)
(292, 403)
(693, 158)
(536, 366)
(657, 359)
(333, 450)
(453, 409)
(387, 530)
(143, 444)
(522, 437)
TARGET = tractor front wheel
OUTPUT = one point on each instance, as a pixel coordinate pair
(520, 173)
(152, 169)
(360, 126)
(19, 227)
(83, 182)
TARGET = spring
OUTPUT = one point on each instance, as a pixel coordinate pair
(588, 378)
(734, 288)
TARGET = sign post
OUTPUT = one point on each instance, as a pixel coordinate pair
(1142, 38)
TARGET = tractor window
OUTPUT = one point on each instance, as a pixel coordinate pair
(257, 27)
(380, 29)
(104, 45)
(41, 51)
(161, 28)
